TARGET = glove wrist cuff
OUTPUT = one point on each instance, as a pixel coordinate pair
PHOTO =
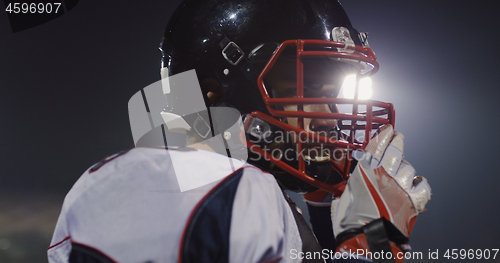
(379, 236)
(359, 245)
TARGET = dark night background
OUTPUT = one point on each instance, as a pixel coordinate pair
(65, 85)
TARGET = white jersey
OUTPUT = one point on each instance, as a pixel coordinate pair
(129, 208)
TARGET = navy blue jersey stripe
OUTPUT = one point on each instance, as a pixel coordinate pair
(84, 254)
(206, 237)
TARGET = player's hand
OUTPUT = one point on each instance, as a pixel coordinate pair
(382, 185)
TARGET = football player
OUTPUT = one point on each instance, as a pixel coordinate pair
(255, 81)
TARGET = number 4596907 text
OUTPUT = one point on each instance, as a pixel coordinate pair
(471, 253)
(32, 8)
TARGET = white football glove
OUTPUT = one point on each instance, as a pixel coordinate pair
(382, 185)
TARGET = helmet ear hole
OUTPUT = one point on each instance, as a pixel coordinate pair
(212, 90)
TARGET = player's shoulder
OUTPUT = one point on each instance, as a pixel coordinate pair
(188, 168)
(152, 157)
(127, 165)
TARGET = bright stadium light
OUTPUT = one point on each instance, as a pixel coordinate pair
(365, 87)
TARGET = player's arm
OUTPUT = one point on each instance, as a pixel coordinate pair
(60, 245)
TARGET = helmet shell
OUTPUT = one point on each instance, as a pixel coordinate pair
(198, 32)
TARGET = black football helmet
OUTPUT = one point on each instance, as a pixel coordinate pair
(233, 44)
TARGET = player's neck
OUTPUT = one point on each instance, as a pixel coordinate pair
(201, 146)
